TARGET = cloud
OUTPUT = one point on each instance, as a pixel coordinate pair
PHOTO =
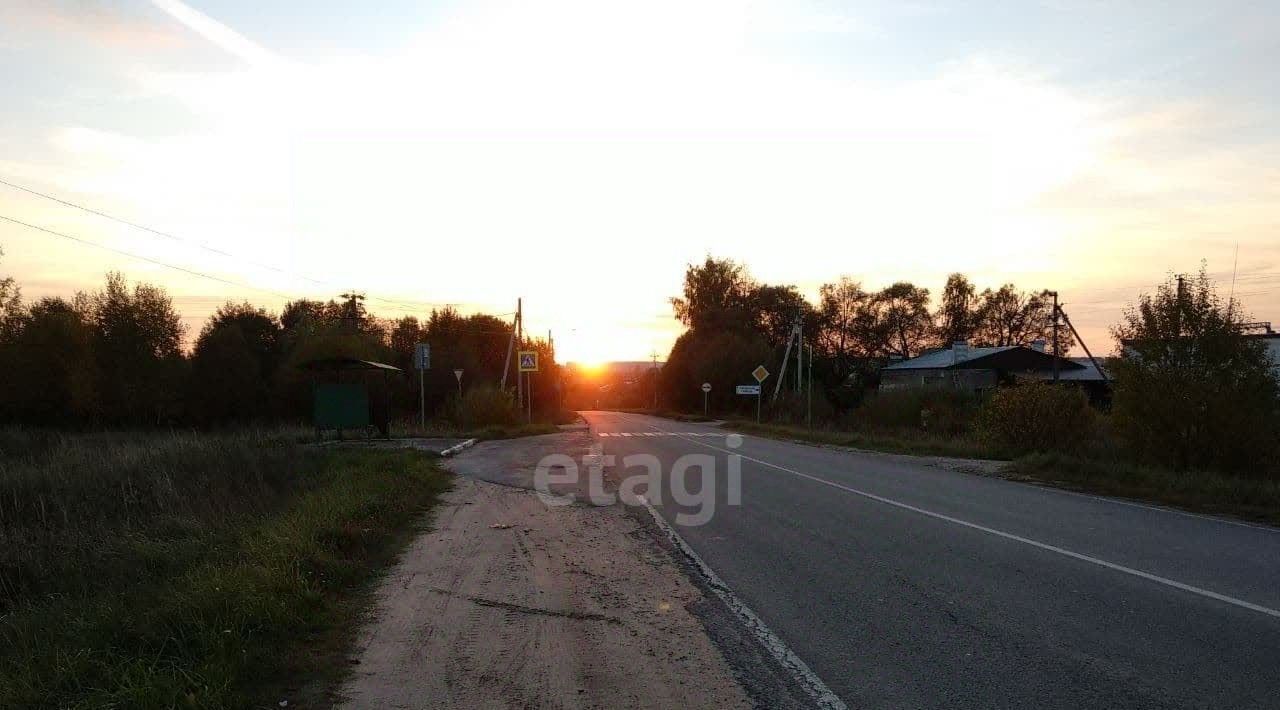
(104, 24)
(218, 33)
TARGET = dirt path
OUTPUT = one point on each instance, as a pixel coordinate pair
(511, 603)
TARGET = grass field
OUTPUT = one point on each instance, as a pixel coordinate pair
(185, 570)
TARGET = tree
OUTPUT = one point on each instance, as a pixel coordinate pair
(1191, 391)
(303, 313)
(957, 315)
(10, 306)
(138, 350)
(724, 358)
(50, 365)
(233, 364)
(1008, 316)
(841, 305)
(716, 295)
(405, 335)
(261, 332)
(775, 310)
(896, 320)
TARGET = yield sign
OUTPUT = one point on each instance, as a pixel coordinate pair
(759, 373)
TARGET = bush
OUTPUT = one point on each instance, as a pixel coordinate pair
(1192, 392)
(792, 408)
(486, 405)
(1036, 416)
(935, 410)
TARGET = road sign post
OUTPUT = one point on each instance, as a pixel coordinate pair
(706, 387)
(760, 374)
(528, 363)
(458, 374)
(422, 361)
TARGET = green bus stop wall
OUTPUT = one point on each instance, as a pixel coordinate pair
(341, 406)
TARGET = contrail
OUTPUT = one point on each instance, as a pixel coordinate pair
(228, 39)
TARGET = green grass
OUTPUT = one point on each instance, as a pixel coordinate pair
(916, 444)
(1199, 491)
(183, 570)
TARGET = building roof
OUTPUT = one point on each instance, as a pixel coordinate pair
(1008, 357)
(941, 359)
(347, 363)
(1086, 372)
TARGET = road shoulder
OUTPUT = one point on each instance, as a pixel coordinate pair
(508, 602)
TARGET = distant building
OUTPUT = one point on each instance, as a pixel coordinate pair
(979, 369)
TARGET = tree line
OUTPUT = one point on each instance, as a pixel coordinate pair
(1191, 390)
(115, 357)
(729, 316)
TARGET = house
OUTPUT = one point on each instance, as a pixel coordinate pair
(978, 369)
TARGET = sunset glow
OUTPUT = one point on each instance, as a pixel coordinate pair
(579, 154)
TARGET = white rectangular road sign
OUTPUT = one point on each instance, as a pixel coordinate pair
(749, 389)
(422, 356)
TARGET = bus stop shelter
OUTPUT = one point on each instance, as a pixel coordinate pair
(351, 394)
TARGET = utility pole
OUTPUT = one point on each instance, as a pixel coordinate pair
(809, 382)
(519, 344)
(786, 356)
(511, 341)
(1055, 336)
(654, 356)
(799, 355)
(1182, 292)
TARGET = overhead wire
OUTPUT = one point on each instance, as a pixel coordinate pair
(408, 304)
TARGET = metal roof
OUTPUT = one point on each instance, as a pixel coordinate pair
(940, 359)
(347, 363)
(1086, 373)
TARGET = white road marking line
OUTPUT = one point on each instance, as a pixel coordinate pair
(1016, 538)
(1063, 491)
(776, 647)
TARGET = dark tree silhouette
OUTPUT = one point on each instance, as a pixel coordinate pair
(958, 314)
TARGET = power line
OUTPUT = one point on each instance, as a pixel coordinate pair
(206, 247)
(139, 257)
(175, 267)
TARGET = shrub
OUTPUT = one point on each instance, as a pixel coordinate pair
(936, 410)
(1036, 416)
(1192, 392)
(792, 408)
(486, 405)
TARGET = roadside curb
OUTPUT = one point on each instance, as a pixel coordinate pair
(457, 447)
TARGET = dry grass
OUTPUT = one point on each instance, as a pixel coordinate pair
(163, 570)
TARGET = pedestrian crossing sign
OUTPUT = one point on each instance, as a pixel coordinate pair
(528, 360)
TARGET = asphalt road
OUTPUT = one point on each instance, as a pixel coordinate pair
(907, 585)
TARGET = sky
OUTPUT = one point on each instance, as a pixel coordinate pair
(578, 154)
